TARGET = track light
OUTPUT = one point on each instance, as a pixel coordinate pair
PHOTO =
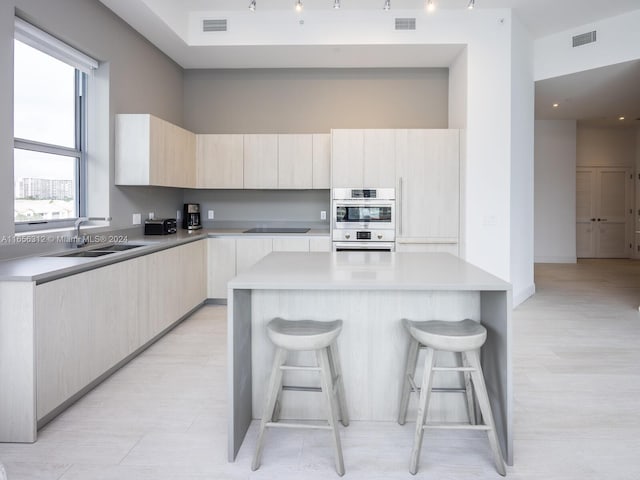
(252, 5)
(299, 6)
(431, 6)
(336, 4)
(472, 3)
(387, 5)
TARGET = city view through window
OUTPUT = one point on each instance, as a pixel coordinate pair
(45, 182)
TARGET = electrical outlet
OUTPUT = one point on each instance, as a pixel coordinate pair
(323, 214)
(137, 219)
(151, 215)
(210, 214)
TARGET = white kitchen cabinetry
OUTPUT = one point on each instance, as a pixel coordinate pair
(89, 322)
(347, 158)
(363, 158)
(222, 265)
(260, 161)
(321, 160)
(295, 161)
(428, 186)
(250, 251)
(290, 244)
(151, 151)
(219, 161)
(320, 244)
(428, 247)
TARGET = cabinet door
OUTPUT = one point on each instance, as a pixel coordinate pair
(220, 161)
(295, 162)
(260, 161)
(347, 158)
(221, 266)
(451, 248)
(321, 160)
(320, 244)
(379, 158)
(250, 251)
(290, 244)
(134, 147)
(428, 184)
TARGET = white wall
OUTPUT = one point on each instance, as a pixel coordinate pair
(606, 147)
(522, 144)
(555, 191)
(6, 118)
(618, 40)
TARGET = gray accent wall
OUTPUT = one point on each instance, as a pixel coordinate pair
(134, 77)
(314, 100)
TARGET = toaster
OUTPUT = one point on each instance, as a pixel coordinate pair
(160, 226)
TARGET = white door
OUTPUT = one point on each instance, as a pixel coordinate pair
(603, 212)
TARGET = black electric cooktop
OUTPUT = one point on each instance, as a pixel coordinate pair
(276, 230)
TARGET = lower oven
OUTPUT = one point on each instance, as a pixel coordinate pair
(364, 246)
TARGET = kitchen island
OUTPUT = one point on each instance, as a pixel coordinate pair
(371, 292)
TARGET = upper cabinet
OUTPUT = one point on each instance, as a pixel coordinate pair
(261, 161)
(428, 184)
(219, 161)
(363, 158)
(151, 151)
(321, 160)
(295, 161)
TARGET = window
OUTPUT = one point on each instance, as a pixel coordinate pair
(50, 91)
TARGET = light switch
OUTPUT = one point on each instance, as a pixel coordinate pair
(210, 214)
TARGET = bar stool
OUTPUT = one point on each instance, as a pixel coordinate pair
(305, 335)
(464, 337)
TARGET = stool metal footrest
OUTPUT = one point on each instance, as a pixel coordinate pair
(455, 426)
(293, 388)
(296, 425)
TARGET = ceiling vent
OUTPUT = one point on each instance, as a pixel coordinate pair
(214, 25)
(405, 23)
(584, 38)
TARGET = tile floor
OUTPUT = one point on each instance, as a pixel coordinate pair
(577, 414)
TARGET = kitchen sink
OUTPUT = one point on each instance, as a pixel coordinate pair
(119, 247)
(88, 253)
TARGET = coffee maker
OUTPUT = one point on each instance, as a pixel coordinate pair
(191, 216)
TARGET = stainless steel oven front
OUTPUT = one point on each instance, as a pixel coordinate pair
(363, 219)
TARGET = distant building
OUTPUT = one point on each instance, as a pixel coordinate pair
(45, 189)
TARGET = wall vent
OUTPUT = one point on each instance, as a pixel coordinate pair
(214, 25)
(405, 23)
(584, 38)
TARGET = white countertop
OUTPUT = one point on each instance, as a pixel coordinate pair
(365, 271)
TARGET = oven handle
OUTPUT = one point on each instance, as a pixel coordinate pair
(364, 246)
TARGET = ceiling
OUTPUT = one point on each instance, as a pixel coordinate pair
(597, 96)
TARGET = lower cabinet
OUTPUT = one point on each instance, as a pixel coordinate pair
(229, 257)
(428, 247)
(87, 323)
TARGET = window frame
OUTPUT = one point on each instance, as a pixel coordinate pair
(84, 65)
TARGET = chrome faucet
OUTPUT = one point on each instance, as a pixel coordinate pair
(81, 241)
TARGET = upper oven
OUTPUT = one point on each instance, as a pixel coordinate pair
(360, 208)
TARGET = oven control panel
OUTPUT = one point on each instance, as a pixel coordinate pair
(364, 235)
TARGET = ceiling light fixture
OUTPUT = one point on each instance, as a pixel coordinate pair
(620, 118)
(299, 6)
(336, 4)
(387, 5)
(252, 5)
(431, 6)
(556, 105)
(472, 4)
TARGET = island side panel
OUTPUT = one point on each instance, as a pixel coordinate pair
(497, 364)
(372, 345)
(17, 363)
(239, 368)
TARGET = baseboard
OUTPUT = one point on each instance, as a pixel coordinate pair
(522, 295)
(555, 260)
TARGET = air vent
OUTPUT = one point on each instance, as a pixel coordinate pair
(584, 38)
(214, 25)
(405, 23)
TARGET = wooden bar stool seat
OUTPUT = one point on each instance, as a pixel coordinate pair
(464, 337)
(305, 335)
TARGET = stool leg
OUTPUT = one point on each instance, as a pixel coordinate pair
(334, 360)
(327, 387)
(468, 388)
(276, 409)
(409, 372)
(275, 382)
(423, 406)
(485, 408)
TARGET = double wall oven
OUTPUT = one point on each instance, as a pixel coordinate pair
(364, 219)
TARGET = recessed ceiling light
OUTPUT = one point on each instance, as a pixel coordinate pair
(299, 6)
(252, 5)
(620, 118)
(431, 5)
(556, 105)
(387, 5)
(336, 4)
(472, 4)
